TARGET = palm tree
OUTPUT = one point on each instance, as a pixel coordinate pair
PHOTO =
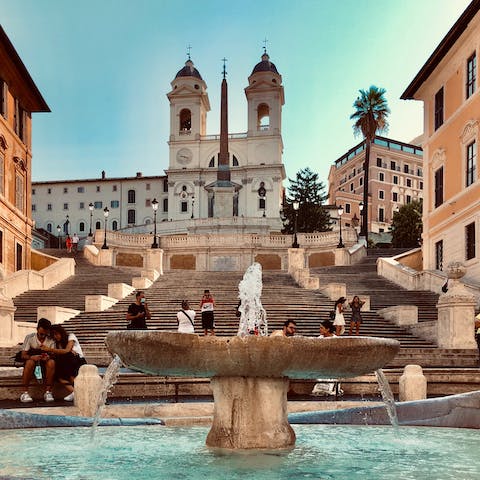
(371, 112)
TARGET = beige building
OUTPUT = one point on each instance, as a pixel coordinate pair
(395, 178)
(19, 98)
(448, 86)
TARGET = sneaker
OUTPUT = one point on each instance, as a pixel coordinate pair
(48, 397)
(26, 398)
(69, 398)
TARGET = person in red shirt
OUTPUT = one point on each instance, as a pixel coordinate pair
(206, 307)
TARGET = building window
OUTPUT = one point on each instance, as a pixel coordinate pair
(34, 207)
(347, 208)
(147, 186)
(65, 206)
(49, 227)
(165, 185)
(409, 182)
(405, 168)
(19, 261)
(420, 185)
(98, 205)
(81, 227)
(148, 202)
(81, 189)
(360, 181)
(393, 165)
(114, 225)
(395, 196)
(395, 179)
(381, 176)
(439, 109)
(379, 162)
(471, 171)
(439, 187)
(261, 203)
(131, 197)
(381, 215)
(471, 75)
(49, 206)
(211, 163)
(33, 190)
(114, 204)
(408, 199)
(114, 188)
(183, 207)
(131, 217)
(381, 194)
(19, 121)
(3, 98)
(49, 191)
(2, 171)
(98, 188)
(98, 225)
(82, 206)
(351, 187)
(234, 161)
(419, 172)
(185, 121)
(165, 204)
(65, 190)
(470, 241)
(19, 186)
(439, 255)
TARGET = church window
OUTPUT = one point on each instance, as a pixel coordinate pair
(262, 203)
(185, 121)
(81, 227)
(131, 216)
(263, 118)
(131, 197)
(114, 225)
(98, 226)
(235, 161)
(184, 207)
(212, 162)
(49, 227)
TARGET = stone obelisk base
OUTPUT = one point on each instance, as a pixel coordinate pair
(250, 413)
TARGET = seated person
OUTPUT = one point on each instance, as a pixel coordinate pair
(32, 355)
(327, 329)
(68, 358)
(289, 329)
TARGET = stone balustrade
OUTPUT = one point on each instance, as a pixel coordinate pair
(98, 303)
(56, 314)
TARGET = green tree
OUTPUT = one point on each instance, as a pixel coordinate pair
(371, 112)
(407, 225)
(309, 191)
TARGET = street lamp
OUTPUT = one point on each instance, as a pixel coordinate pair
(66, 224)
(340, 213)
(155, 208)
(296, 206)
(91, 207)
(59, 228)
(193, 203)
(106, 211)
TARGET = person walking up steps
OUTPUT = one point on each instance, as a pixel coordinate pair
(356, 305)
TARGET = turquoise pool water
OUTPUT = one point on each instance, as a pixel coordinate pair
(321, 452)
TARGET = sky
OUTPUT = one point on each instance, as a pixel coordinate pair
(104, 68)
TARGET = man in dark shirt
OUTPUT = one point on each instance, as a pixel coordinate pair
(137, 313)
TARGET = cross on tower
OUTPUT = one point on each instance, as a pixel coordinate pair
(224, 60)
(265, 41)
(188, 53)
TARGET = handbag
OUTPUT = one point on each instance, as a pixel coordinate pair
(332, 315)
(188, 316)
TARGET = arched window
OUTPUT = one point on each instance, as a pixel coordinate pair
(98, 225)
(49, 227)
(131, 196)
(212, 162)
(81, 227)
(131, 217)
(185, 121)
(263, 118)
(148, 221)
(114, 225)
(234, 161)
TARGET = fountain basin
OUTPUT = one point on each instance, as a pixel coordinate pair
(250, 375)
(177, 354)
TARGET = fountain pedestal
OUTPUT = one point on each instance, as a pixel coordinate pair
(250, 412)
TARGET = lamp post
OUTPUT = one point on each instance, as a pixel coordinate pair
(155, 208)
(296, 206)
(362, 219)
(106, 211)
(67, 222)
(59, 228)
(340, 213)
(193, 204)
(91, 207)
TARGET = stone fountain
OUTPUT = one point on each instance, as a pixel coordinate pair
(250, 373)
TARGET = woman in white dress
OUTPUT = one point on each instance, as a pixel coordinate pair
(185, 318)
(339, 321)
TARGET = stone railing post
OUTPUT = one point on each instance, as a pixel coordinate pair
(88, 386)
(412, 384)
